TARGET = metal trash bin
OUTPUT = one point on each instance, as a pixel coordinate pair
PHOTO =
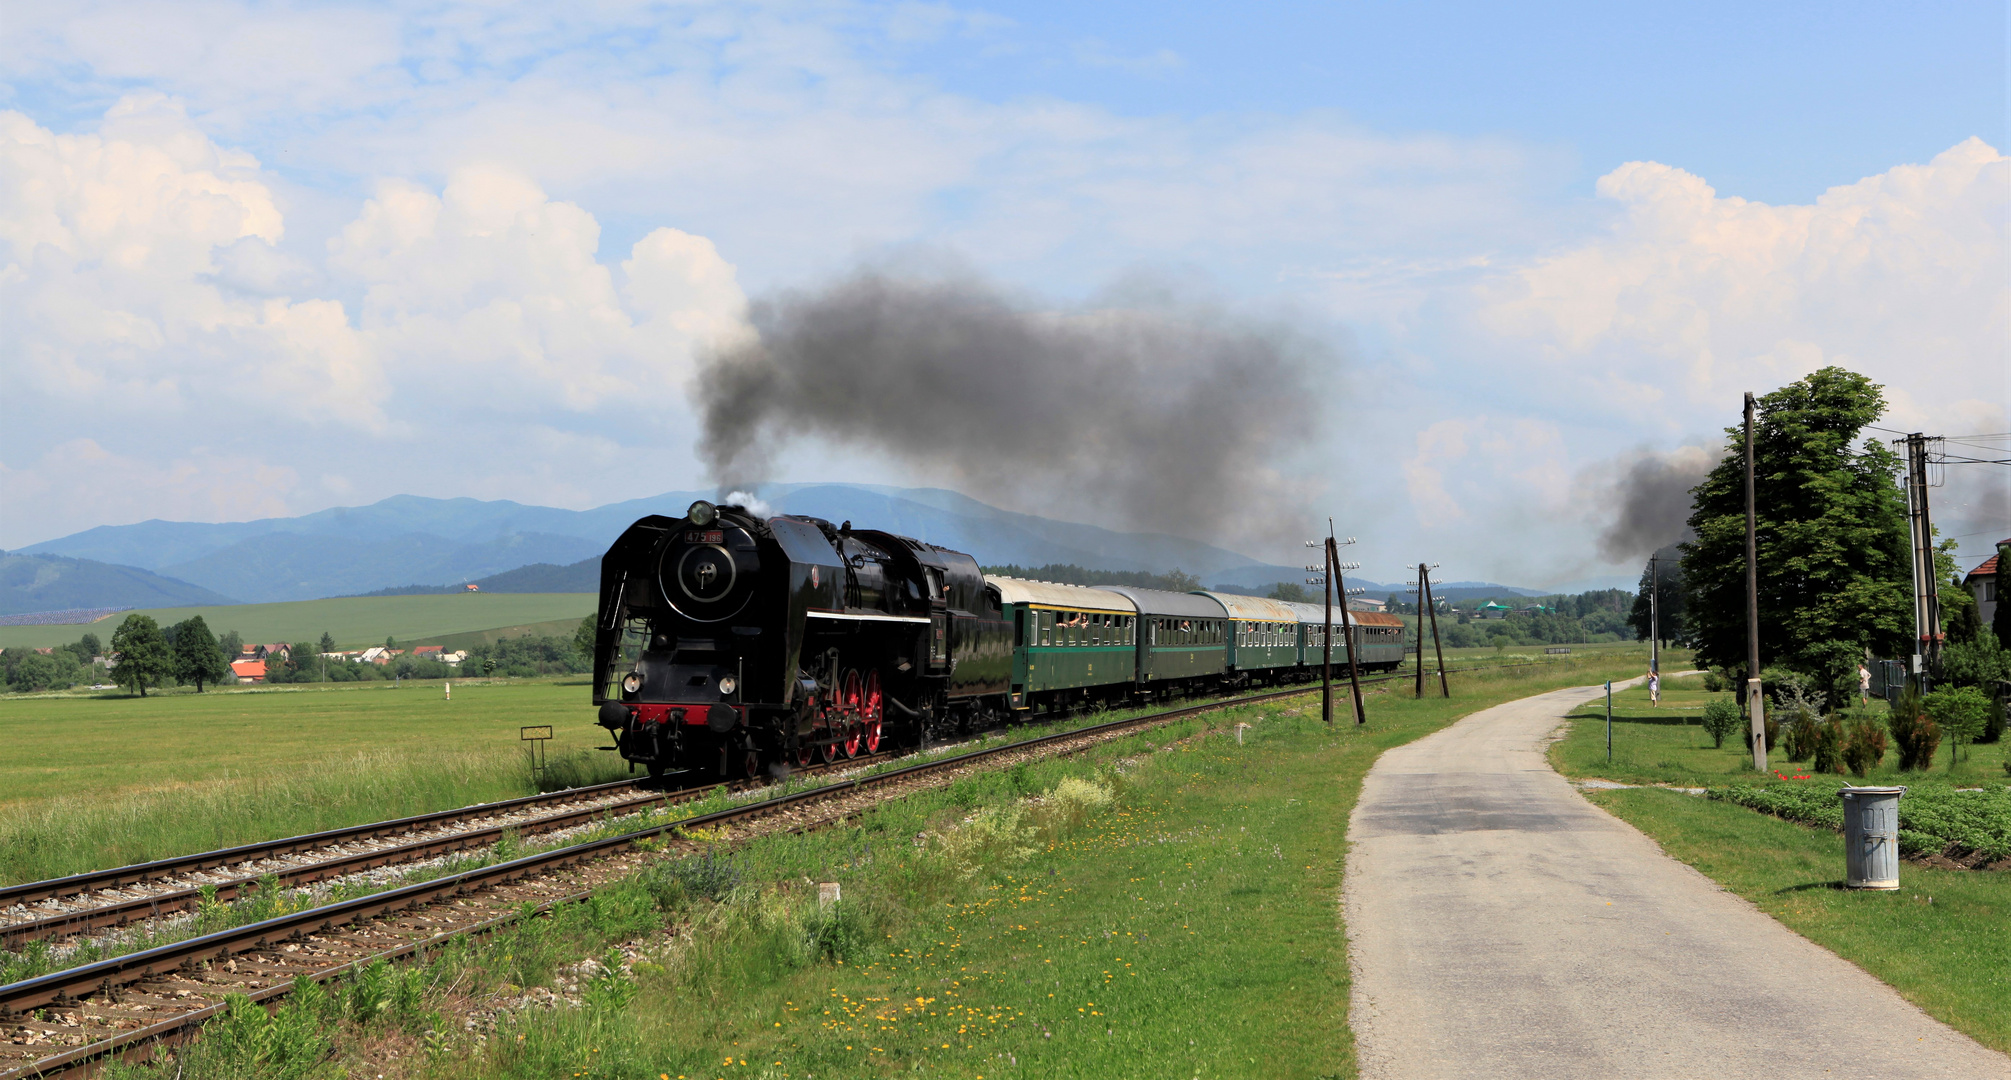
(1871, 837)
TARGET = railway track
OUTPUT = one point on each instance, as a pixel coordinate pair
(85, 903)
(128, 1005)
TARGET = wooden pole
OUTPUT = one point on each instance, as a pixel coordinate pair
(1755, 700)
(1327, 641)
(1420, 631)
(1432, 606)
(1347, 628)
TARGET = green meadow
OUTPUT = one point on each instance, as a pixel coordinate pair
(107, 780)
(355, 621)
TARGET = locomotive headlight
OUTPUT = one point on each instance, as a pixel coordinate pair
(728, 684)
(702, 513)
(631, 683)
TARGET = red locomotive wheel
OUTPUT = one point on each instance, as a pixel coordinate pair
(806, 745)
(830, 744)
(752, 763)
(851, 698)
(870, 711)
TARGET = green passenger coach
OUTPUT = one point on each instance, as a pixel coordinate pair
(1182, 639)
(1072, 645)
(1263, 639)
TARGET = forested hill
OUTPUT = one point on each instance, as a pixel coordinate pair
(580, 577)
(53, 583)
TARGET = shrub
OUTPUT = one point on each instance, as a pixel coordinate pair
(1798, 737)
(678, 882)
(1993, 728)
(1715, 680)
(1913, 732)
(1827, 751)
(1864, 748)
(1961, 714)
(1722, 717)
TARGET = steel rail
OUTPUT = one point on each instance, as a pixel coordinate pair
(125, 911)
(141, 873)
(63, 988)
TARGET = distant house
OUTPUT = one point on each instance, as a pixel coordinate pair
(1536, 609)
(1492, 610)
(250, 671)
(376, 654)
(1365, 603)
(454, 657)
(427, 652)
(263, 652)
(1982, 584)
(472, 587)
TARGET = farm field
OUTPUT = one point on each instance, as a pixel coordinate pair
(109, 780)
(355, 622)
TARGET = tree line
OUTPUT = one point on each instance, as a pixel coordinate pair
(148, 656)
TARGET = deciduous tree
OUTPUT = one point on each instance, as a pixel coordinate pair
(144, 658)
(1668, 597)
(198, 658)
(1834, 558)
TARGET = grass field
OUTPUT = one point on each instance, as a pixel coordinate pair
(109, 780)
(1667, 745)
(355, 622)
(1184, 922)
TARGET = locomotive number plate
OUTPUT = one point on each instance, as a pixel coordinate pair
(697, 537)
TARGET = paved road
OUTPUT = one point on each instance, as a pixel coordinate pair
(1502, 926)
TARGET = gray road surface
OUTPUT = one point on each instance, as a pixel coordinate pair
(1502, 926)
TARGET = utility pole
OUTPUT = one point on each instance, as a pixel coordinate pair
(1654, 614)
(1327, 634)
(1334, 573)
(1755, 700)
(1926, 582)
(1431, 606)
(1420, 630)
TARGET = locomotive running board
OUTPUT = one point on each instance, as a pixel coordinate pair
(866, 618)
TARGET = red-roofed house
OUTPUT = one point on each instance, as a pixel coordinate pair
(251, 671)
(1982, 583)
(428, 652)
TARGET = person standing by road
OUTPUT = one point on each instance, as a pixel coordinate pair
(1655, 688)
(1863, 684)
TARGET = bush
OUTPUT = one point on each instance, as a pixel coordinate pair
(1913, 732)
(1721, 718)
(1715, 681)
(1798, 737)
(678, 882)
(1864, 748)
(1993, 728)
(1827, 750)
(1961, 714)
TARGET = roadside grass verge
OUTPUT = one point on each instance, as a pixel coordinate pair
(1162, 902)
(1667, 745)
(1939, 940)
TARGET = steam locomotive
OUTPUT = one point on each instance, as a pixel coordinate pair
(731, 645)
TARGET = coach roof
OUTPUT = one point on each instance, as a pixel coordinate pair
(1053, 594)
(1177, 605)
(1251, 608)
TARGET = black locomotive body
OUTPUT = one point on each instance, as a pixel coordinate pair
(729, 644)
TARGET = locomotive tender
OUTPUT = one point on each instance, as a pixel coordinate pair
(733, 645)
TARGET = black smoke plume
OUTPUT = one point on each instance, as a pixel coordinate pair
(1652, 498)
(1156, 412)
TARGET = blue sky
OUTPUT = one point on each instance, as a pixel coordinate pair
(267, 258)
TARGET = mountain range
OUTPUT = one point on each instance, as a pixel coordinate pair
(413, 541)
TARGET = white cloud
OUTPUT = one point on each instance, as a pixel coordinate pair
(148, 306)
(108, 247)
(1691, 297)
